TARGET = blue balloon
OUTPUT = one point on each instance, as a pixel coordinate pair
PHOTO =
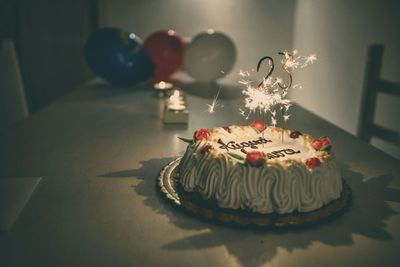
(118, 57)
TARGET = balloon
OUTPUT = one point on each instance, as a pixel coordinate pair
(166, 49)
(118, 57)
(210, 55)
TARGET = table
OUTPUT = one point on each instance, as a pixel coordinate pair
(99, 151)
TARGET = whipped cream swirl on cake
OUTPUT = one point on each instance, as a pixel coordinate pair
(254, 168)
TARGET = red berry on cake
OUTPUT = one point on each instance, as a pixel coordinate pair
(295, 134)
(202, 134)
(255, 158)
(325, 141)
(313, 163)
(259, 125)
(316, 144)
(226, 128)
(326, 144)
(207, 149)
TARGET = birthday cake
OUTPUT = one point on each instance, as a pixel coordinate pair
(260, 169)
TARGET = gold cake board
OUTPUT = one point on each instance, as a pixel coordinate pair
(193, 202)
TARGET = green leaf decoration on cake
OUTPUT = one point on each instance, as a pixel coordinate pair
(259, 126)
(255, 129)
(326, 148)
(236, 156)
(326, 144)
(186, 140)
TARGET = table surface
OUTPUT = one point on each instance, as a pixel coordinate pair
(99, 151)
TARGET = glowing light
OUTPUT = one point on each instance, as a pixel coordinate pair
(175, 101)
(214, 103)
(272, 94)
(163, 85)
(294, 60)
(311, 58)
(176, 96)
(273, 121)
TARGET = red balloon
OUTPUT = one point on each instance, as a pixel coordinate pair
(166, 49)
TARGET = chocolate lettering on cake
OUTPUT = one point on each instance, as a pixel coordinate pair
(241, 146)
(281, 153)
(253, 144)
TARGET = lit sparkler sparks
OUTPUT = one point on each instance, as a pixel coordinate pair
(214, 103)
(286, 117)
(294, 60)
(272, 93)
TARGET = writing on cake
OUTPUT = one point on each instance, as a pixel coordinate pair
(281, 153)
(232, 145)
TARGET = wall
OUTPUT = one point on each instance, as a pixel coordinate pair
(339, 32)
(251, 24)
(49, 37)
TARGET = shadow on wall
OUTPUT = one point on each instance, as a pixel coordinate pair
(255, 247)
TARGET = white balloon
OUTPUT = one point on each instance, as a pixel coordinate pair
(210, 56)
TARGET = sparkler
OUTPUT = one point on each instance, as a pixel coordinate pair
(214, 103)
(271, 94)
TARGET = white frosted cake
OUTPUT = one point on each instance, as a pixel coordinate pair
(258, 169)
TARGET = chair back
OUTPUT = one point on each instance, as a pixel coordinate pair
(373, 85)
